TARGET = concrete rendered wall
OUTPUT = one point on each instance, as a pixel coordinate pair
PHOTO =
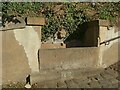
(109, 52)
(101, 56)
(14, 60)
(19, 53)
(69, 58)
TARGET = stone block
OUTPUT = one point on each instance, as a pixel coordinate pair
(61, 84)
(104, 23)
(35, 21)
(45, 75)
(95, 84)
(82, 83)
(71, 84)
(105, 84)
(70, 58)
(51, 84)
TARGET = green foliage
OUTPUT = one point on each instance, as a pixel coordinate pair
(67, 15)
(23, 8)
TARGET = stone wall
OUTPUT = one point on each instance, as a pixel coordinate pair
(69, 58)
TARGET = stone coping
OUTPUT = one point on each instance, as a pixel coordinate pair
(104, 23)
(99, 22)
(40, 21)
(12, 27)
(30, 21)
(33, 21)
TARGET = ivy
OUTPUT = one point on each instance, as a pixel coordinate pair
(67, 15)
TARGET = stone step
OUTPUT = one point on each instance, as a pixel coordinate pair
(83, 83)
(44, 76)
(94, 84)
(71, 84)
(61, 84)
(47, 75)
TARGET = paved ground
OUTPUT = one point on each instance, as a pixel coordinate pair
(108, 78)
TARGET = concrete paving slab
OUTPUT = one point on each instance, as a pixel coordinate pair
(95, 84)
(71, 84)
(61, 84)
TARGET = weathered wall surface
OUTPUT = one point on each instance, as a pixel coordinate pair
(111, 55)
(109, 52)
(69, 58)
(29, 39)
(14, 60)
(20, 53)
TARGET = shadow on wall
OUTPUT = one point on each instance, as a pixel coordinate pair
(76, 39)
(86, 35)
(10, 19)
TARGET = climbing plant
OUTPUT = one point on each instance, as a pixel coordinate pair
(65, 14)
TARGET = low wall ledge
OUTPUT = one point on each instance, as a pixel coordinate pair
(15, 23)
(104, 23)
(35, 21)
(20, 26)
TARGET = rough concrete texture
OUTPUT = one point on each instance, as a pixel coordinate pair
(69, 58)
(20, 53)
(35, 21)
(99, 78)
(14, 60)
(30, 41)
(109, 56)
(104, 23)
(105, 78)
(108, 52)
(96, 32)
(46, 75)
(106, 34)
